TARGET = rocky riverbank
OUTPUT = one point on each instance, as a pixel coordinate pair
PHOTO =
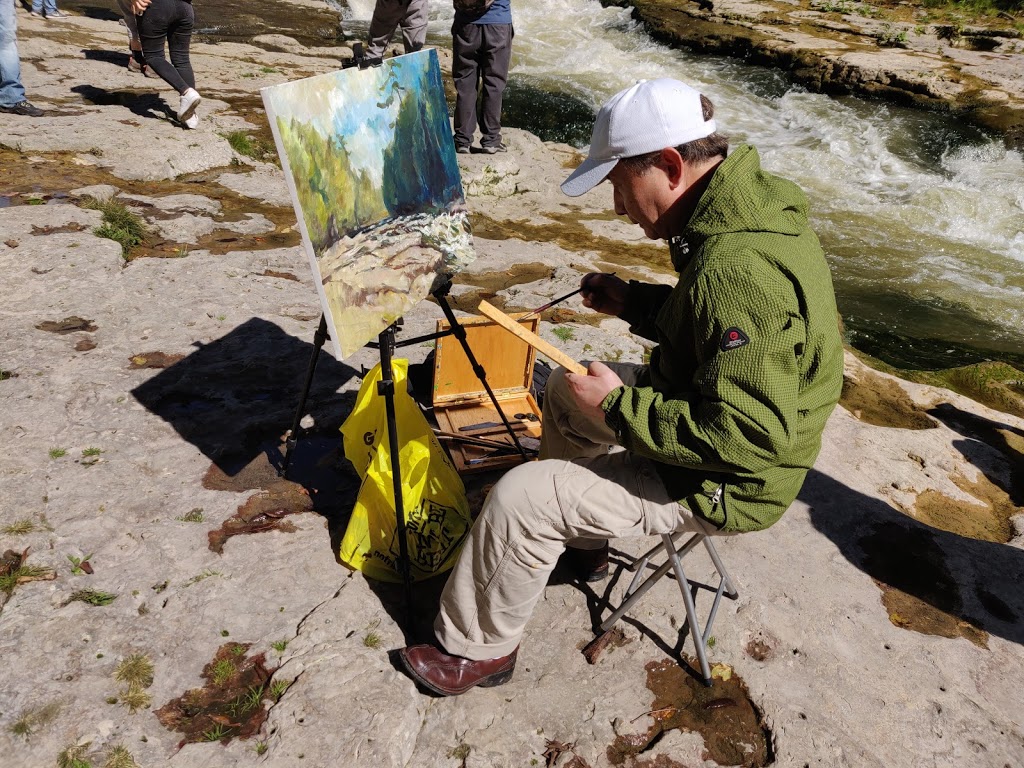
(166, 599)
(892, 50)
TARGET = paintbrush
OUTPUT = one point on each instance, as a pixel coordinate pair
(550, 304)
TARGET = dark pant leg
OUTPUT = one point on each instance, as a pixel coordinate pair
(466, 40)
(495, 56)
(179, 37)
(153, 26)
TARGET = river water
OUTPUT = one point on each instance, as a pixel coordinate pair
(921, 216)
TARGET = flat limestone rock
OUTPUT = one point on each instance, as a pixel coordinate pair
(865, 634)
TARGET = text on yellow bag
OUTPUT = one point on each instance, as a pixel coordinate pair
(433, 496)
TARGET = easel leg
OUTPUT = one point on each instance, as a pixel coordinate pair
(386, 388)
(319, 338)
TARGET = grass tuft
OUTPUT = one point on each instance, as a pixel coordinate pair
(134, 698)
(27, 572)
(216, 733)
(194, 516)
(120, 224)
(20, 527)
(223, 671)
(564, 333)
(253, 698)
(136, 670)
(56, 453)
(279, 645)
(250, 146)
(74, 756)
(92, 597)
(30, 720)
(120, 757)
(460, 752)
(277, 689)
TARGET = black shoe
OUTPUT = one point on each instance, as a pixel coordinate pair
(493, 149)
(588, 565)
(26, 108)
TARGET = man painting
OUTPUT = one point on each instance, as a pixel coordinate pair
(715, 435)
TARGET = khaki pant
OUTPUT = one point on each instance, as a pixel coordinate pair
(578, 493)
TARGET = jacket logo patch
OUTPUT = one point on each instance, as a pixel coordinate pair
(733, 338)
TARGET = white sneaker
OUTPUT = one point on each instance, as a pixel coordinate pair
(192, 122)
(189, 101)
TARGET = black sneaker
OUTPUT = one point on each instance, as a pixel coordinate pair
(26, 108)
(494, 149)
(588, 565)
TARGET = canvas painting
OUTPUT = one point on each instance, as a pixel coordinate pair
(370, 161)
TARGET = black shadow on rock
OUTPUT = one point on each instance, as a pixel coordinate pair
(148, 104)
(426, 599)
(120, 58)
(237, 395)
(601, 606)
(984, 577)
(981, 436)
(106, 12)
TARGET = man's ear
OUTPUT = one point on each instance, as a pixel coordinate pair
(671, 162)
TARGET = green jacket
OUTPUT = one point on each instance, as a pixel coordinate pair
(749, 362)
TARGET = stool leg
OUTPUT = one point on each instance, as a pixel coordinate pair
(691, 609)
(636, 589)
(730, 590)
(634, 597)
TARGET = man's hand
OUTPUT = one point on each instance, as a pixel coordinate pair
(138, 6)
(590, 390)
(604, 293)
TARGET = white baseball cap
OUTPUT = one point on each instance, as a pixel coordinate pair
(646, 117)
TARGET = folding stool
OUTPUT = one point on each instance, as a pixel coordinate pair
(674, 561)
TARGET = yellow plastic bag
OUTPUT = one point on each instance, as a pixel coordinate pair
(433, 496)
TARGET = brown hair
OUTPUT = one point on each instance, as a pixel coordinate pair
(692, 152)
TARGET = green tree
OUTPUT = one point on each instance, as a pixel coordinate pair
(417, 173)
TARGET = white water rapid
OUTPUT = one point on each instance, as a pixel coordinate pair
(922, 217)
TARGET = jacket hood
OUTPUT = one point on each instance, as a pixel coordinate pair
(743, 198)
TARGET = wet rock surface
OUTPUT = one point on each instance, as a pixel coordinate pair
(867, 632)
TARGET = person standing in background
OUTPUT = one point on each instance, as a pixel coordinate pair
(170, 20)
(388, 15)
(136, 61)
(47, 8)
(481, 52)
(12, 92)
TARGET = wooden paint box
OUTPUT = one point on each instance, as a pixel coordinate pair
(461, 403)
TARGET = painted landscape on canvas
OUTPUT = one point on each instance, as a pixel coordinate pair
(371, 165)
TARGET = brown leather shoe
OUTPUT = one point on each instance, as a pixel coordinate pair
(588, 565)
(448, 675)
